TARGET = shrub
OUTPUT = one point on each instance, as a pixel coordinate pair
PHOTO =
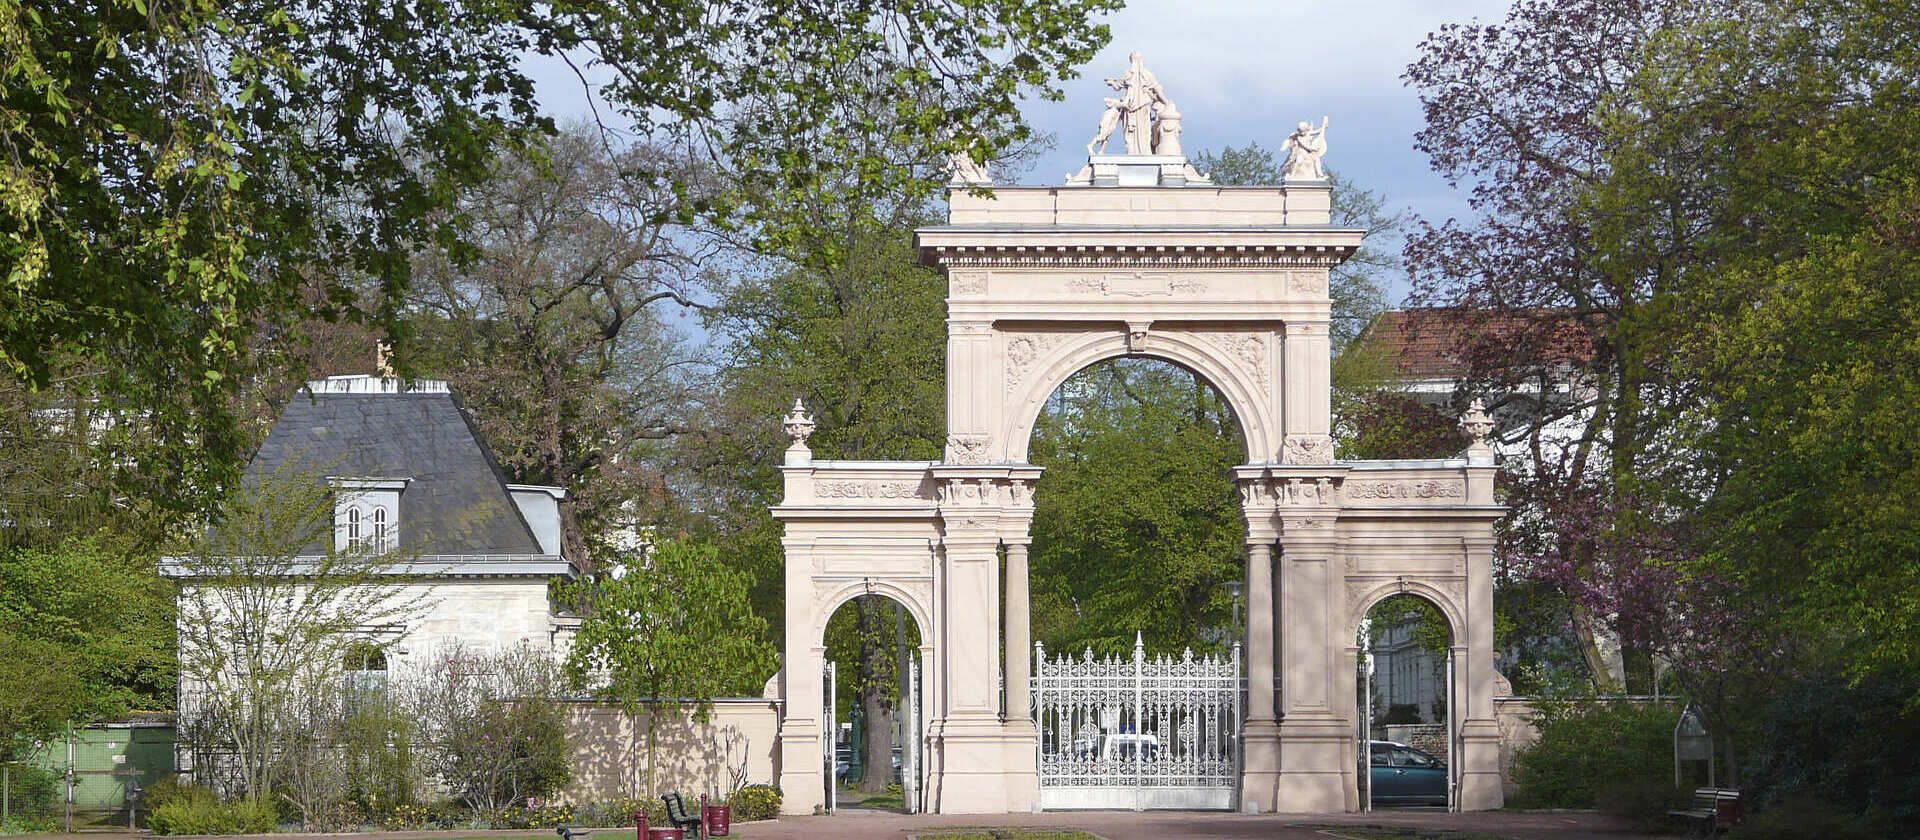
(33, 791)
(617, 813)
(756, 802)
(195, 810)
(1587, 745)
(1851, 744)
(1642, 803)
(1803, 816)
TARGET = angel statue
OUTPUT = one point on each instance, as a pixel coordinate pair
(1304, 148)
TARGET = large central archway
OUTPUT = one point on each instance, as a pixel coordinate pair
(1231, 283)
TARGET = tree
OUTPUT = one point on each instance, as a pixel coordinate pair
(179, 177)
(1519, 110)
(493, 729)
(1137, 524)
(93, 617)
(666, 631)
(268, 605)
(553, 333)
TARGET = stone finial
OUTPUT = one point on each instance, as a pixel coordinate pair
(798, 424)
(1305, 146)
(1478, 427)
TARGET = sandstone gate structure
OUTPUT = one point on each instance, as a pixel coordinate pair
(1140, 259)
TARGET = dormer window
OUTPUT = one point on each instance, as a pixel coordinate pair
(366, 514)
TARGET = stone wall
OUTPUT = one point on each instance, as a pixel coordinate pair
(610, 750)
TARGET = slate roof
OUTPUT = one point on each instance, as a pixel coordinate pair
(456, 502)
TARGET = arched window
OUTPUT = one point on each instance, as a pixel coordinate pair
(353, 527)
(380, 544)
(365, 667)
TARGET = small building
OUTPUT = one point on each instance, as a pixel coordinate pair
(410, 476)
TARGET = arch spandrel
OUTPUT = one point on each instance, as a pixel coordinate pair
(1238, 361)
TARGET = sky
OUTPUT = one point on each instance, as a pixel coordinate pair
(1246, 71)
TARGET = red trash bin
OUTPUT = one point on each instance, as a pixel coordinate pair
(719, 818)
(666, 834)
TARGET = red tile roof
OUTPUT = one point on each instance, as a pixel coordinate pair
(1438, 343)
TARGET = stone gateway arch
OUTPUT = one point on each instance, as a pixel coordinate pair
(1140, 259)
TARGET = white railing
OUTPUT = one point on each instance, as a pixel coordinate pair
(1139, 733)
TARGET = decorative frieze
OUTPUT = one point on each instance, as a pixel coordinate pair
(1401, 490)
(867, 489)
(1137, 284)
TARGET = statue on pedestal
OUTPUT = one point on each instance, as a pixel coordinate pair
(1304, 147)
(1139, 92)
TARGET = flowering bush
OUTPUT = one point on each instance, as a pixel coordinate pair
(756, 802)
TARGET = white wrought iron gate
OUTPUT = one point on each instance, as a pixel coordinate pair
(1160, 733)
(830, 732)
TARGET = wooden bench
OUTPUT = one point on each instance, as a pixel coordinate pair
(678, 817)
(568, 832)
(1712, 809)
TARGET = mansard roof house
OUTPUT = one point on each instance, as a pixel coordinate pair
(411, 476)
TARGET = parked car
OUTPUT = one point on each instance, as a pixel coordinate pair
(1402, 775)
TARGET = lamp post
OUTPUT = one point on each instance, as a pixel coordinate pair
(1234, 590)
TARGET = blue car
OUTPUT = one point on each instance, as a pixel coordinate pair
(1403, 775)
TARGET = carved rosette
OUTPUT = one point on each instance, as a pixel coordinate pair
(968, 449)
(1312, 450)
(1023, 350)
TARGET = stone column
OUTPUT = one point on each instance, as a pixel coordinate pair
(802, 763)
(1022, 736)
(1473, 687)
(981, 766)
(1019, 637)
(1313, 736)
(1260, 733)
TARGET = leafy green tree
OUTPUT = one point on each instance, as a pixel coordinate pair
(1137, 523)
(665, 632)
(181, 176)
(89, 627)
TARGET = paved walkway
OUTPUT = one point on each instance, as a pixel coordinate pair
(867, 825)
(1114, 825)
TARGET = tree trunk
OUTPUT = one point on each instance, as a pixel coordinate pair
(876, 667)
(1583, 631)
